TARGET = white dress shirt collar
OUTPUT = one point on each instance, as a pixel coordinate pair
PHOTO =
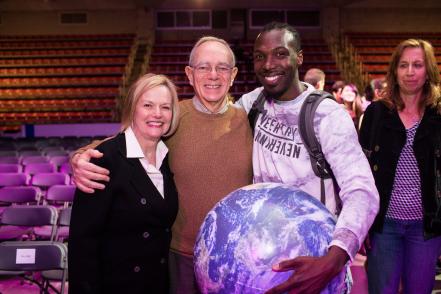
(134, 150)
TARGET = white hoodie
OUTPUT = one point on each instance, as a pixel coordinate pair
(279, 156)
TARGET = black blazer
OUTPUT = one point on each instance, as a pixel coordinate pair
(389, 139)
(120, 236)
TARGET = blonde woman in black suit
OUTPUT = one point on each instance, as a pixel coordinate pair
(120, 236)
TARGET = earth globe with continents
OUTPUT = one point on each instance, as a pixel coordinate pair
(254, 228)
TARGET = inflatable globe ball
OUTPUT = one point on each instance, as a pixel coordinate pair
(255, 227)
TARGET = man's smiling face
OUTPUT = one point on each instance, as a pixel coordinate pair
(211, 87)
(276, 63)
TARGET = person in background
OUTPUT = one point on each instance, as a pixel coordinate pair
(372, 92)
(336, 89)
(120, 237)
(377, 85)
(402, 132)
(352, 102)
(315, 77)
(210, 153)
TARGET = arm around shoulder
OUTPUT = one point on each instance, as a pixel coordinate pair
(86, 173)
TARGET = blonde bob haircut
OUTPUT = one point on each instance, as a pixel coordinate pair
(431, 90)
(142, 85)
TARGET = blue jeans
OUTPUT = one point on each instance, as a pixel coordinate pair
(400, 252)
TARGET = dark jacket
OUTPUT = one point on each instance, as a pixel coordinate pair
(120, 236)
(389, 138)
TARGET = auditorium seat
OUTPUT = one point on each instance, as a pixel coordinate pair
(7, 152)
(14, 195)
(27, 153)
(42, 167)
(34, 159)
(10, 159)
(60, 195)
(13, 179)
(66, 168)
(10, 168)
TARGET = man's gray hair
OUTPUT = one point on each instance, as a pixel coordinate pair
(211, 39)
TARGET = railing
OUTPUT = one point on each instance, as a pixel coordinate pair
(348, 61)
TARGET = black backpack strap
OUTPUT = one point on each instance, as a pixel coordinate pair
(319, 164)
(256, 109)
(306, 128)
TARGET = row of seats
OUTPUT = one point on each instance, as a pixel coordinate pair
(66, 52)
(388, 41)
(56, 117)
(382, 49)
(41, 180)
(66, 37)
(43, 152)
(376, 49)
(44, 145)
(56, 164)
(53, 79)
(44, 93)
(391, 39)
(66, 44)
(60, 81)
(56, 104)
(41, 168)
(61, 71)
(10, 127)
(21, 201)
(62, 61)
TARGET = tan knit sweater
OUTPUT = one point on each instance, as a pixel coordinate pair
(210, 156)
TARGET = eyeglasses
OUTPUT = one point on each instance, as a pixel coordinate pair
(206, 69)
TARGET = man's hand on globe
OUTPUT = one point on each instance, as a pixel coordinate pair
(311, 274)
